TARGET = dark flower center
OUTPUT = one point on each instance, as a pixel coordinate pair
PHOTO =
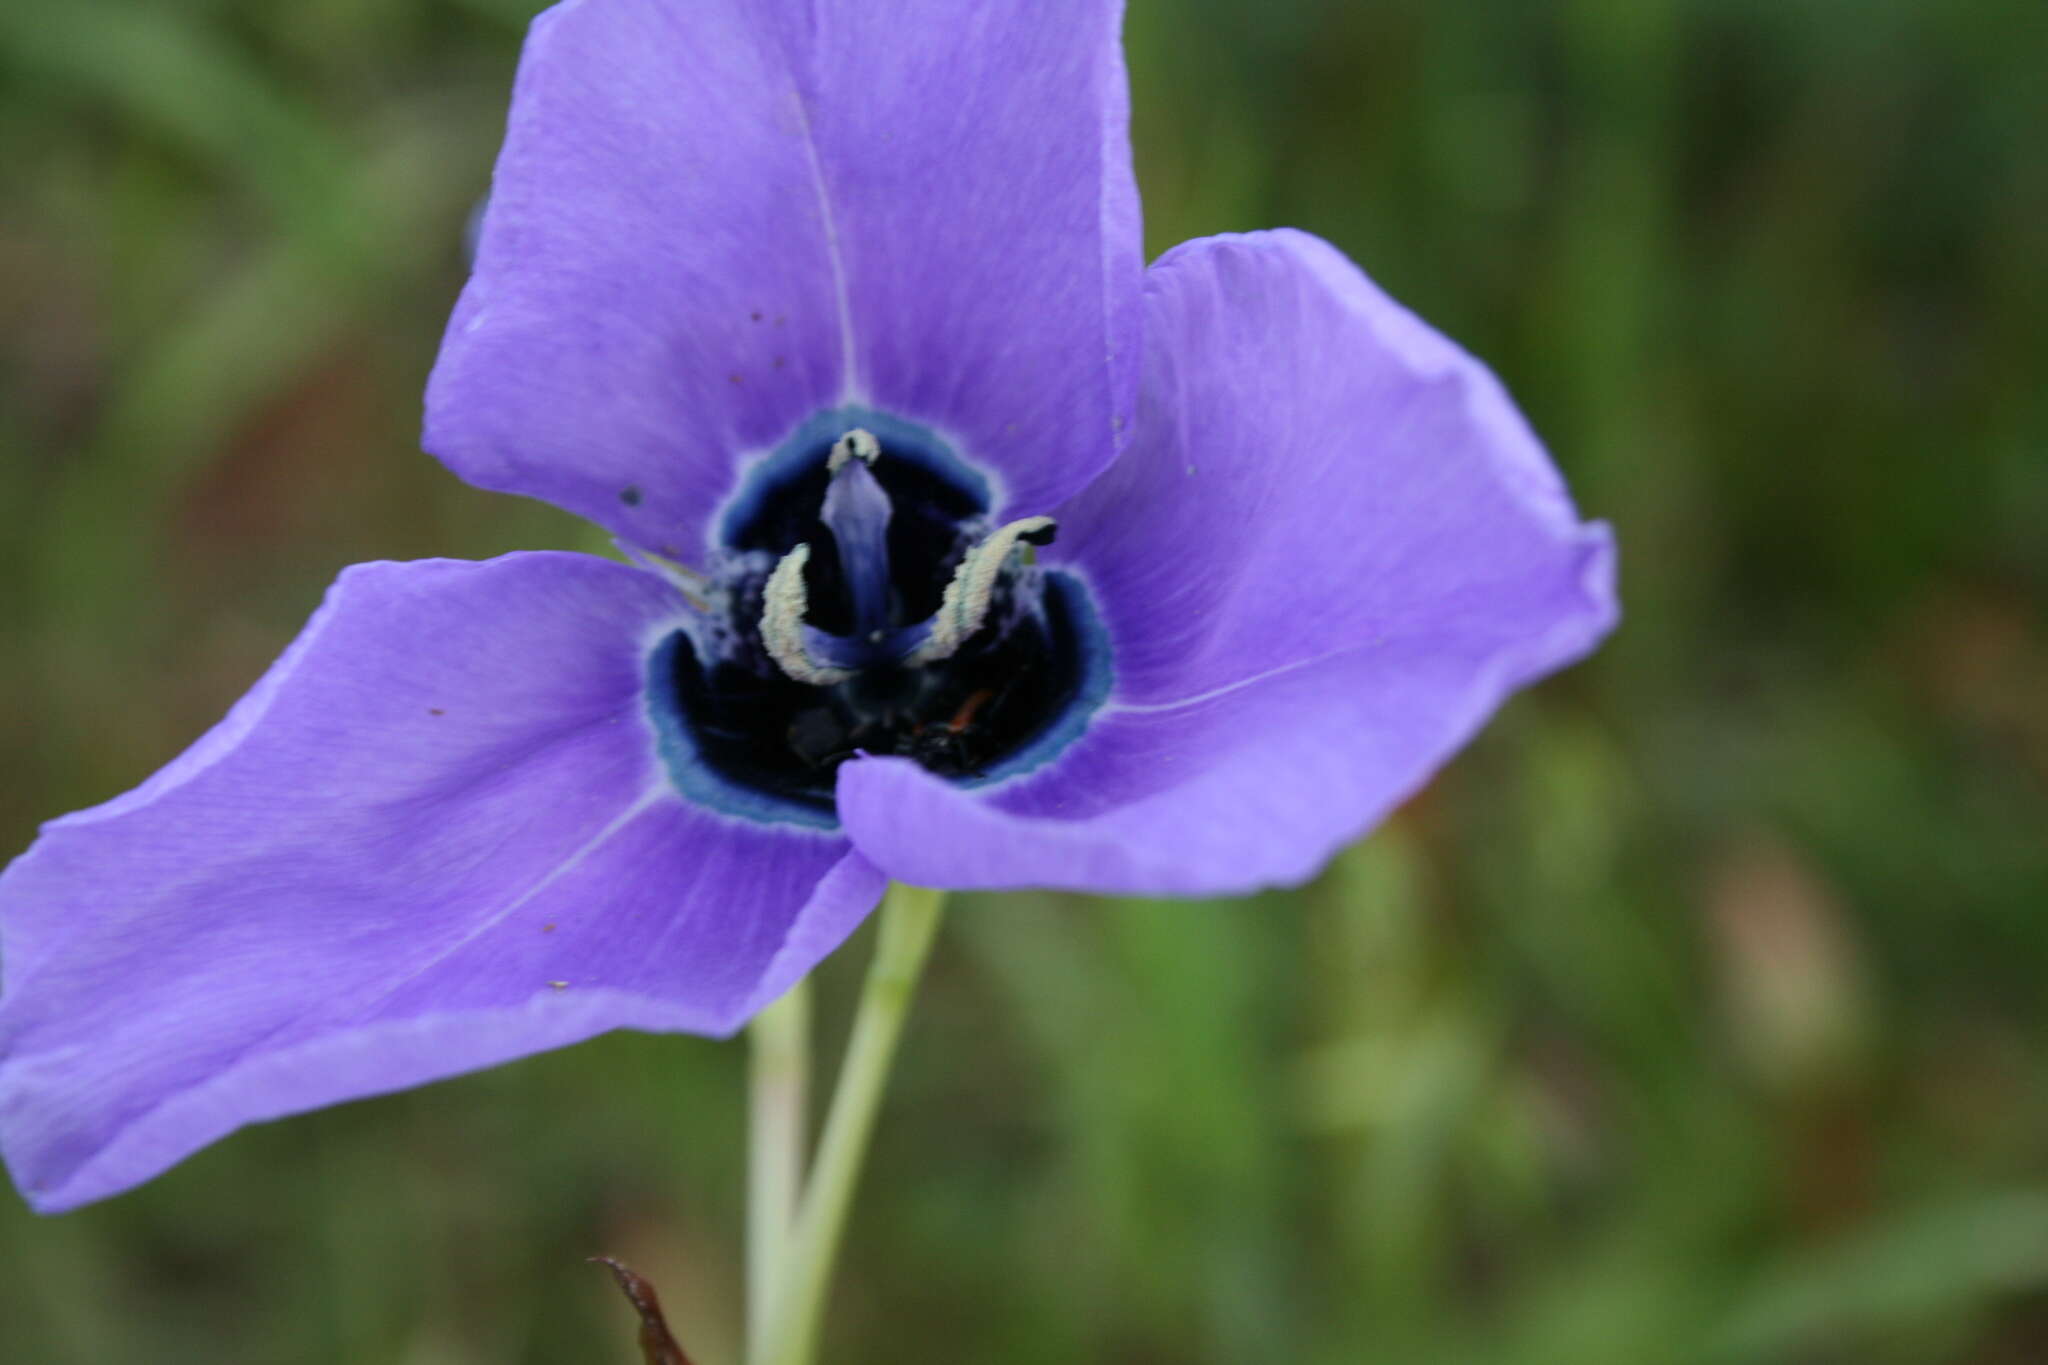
(863, 602)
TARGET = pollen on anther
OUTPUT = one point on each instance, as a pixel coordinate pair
(784, 604)
(965, 605)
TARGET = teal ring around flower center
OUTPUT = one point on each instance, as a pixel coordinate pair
(820, 638)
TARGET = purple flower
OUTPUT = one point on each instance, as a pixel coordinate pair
(968, 552)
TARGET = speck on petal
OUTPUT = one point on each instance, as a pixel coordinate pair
(337, 892)
(1332, 551)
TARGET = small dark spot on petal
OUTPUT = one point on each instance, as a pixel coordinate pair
(630, 495)
(736, 379)
(778, 362)
(558, 985)
(755, 315)
(781, 318)
(547, 928)
(435, 711)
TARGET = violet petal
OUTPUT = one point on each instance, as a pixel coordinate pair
(1333, 549)
(434, 837)
(713, 218)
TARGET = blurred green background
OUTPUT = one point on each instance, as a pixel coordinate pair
(1695, 1015)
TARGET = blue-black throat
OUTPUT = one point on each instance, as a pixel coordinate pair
(864, 603)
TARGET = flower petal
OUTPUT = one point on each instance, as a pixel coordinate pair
(1251, 787)
(1333, 549)
(713, 218)
(1315, 468)
(436, 836)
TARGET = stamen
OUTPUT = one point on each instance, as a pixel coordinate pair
(964, 608)
(783, 604)
(858, 444)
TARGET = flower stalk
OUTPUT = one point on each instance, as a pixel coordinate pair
(778, 1083)
(799, 1287)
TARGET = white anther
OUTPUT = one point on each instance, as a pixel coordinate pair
(964, 608)
(783, 604)
(858, 444)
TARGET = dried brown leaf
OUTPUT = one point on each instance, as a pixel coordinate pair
(657, 1345)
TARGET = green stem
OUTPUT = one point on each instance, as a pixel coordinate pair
(910, 917)
(778, 1085)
